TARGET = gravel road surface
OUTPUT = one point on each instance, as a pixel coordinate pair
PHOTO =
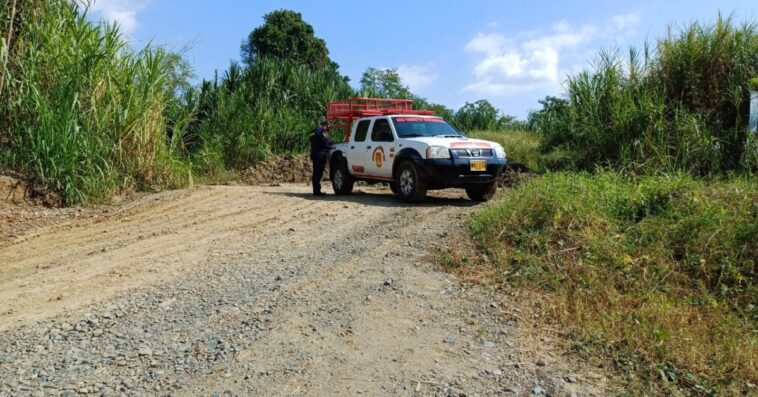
(263, 291)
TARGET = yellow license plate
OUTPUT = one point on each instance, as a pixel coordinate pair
(478, 165)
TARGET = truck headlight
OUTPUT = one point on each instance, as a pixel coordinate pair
(437, 152)
(499, 152)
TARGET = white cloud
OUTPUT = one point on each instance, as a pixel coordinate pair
(490, 44)
(122, 11)
(416, 77)
(625, 24)
(536, 60)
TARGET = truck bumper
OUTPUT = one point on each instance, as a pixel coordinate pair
(456, 172)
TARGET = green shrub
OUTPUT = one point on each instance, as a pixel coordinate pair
(661, 267)
(269, 107)
(83, 112)
(683, 107)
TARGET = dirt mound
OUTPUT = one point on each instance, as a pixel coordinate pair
(15, 190)
(514, 174)
(280, 169)
(24, 207)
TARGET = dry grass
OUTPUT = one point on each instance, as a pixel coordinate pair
(657, 272)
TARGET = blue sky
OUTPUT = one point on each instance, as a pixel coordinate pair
(511, 53)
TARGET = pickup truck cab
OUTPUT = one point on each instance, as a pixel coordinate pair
(415, 153)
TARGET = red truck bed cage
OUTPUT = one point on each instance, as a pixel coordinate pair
(341, 114)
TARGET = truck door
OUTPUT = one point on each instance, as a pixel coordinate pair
(380, 150)
(356, 155)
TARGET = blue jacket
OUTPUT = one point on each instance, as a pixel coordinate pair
(319, 142)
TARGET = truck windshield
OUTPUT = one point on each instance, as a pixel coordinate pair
(409, 127)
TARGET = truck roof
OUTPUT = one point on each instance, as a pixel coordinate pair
(426, 116)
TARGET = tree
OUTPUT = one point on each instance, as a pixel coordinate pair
(179, 74)
(480, 115)
(383, 83)
(285, 35)
(510, 123)
(552, 117)
(439, 109)
(443, 111)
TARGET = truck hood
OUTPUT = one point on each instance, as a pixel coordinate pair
(455, 143)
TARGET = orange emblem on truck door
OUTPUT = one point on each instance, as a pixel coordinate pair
(379, 156)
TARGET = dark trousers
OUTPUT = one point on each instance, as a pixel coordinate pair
(319, 163)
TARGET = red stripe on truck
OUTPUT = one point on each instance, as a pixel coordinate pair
(471, 145)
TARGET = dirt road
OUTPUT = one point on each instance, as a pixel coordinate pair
(262, 291)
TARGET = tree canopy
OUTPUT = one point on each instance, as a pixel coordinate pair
(480, 115)
(285, 35)
(383, 83)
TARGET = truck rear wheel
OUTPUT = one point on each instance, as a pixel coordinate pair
(482, 193)
(342, 181)
(410, 187)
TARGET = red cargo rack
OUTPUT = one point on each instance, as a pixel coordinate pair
(341, 114)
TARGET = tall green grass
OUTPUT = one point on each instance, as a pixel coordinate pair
(268, 107)
(680, 106)
(520, 146)
(84, 112)
(646, 262)
(661, 270)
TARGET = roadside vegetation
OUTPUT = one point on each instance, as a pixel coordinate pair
(81, 111)
(642, 237)
(88, 116)
(660, 270)
(681, 105)
(521, 146)
(252, 112)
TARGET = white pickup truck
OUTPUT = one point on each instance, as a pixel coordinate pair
(415, 153)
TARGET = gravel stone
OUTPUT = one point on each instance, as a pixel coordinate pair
(247, 305)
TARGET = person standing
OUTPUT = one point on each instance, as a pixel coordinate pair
(320, 144)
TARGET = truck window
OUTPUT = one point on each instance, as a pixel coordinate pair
(361, 130)
(382, 131)
(412, 126)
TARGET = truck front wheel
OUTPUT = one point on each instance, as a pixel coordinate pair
(342, 181)
(409, 185)
(482, 193)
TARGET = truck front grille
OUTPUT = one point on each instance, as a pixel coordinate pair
(466, 153)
